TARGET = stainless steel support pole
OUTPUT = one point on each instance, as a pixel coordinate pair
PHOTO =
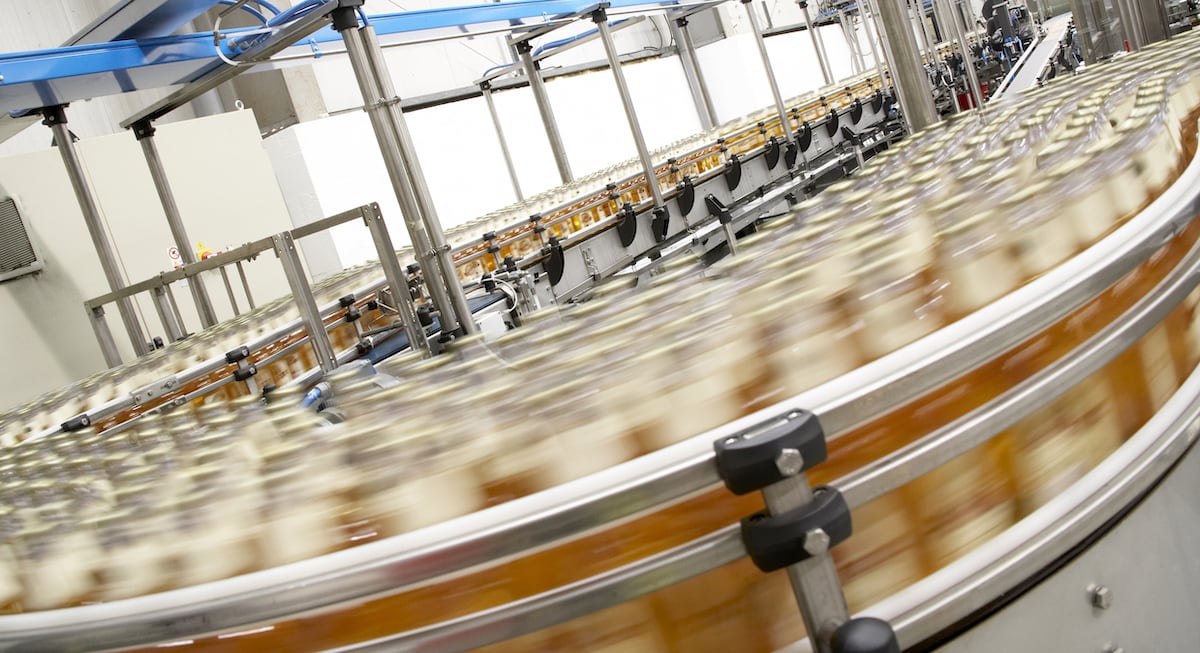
(730, 238)
(229, 291)
(175, 308)
(691, 70)
(166, 315)
(56, 119)
(848, 32)
(245, 285)
(974, 87)
(916, 98)
(818, 44)
(144, 132)
(382, 107)
(766, 61)
(635, 128)
(289, 257)
(931, 45)
(396, 278)
(461, 318)
(486, 89)
(814, 581)
(538, 86)
(876, 47)
(108, 346)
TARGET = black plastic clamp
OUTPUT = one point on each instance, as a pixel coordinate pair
(660, 223)
(556, 261)
(243, 373)
(777, 541)
(856, 111)
(865, 635)
(687, 195)
(373, 305)
(773, 152)
(718, 209)
(241, 353)
(749, 464)
(352, 315)
(627, 225)
(156, 343)
(733, 172)
(77, 423)
(347, 301)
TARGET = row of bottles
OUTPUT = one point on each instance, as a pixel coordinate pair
(916, 242)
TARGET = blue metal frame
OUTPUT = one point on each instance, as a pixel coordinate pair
(62, 75)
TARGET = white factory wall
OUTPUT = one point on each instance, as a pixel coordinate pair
(227, 195)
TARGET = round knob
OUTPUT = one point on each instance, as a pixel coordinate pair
(865, 635)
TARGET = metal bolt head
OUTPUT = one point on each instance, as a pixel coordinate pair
(816, 542)
(789, 462)
(1101, 597)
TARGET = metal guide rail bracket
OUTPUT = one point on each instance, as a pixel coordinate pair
(799, 527)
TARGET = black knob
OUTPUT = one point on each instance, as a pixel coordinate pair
(865, 635)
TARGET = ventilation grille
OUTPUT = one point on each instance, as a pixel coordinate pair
(17, 257)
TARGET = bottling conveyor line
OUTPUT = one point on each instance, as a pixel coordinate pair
(708, 195)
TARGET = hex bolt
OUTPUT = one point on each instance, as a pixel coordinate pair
(1101, 597)
(789, 462)
(816, 542)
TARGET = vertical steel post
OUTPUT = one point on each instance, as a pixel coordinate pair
(56, 119)
(144, 133)
(108, 346)
(766, 61)
(289, 257)
(691, 70)
(876, 47)
(461, 319)
(165, 315)
(818, 45)
(382, 107)
(975, 89)
(485, 87)
(396, 278)
(908, 75)
(600, 17)
(229, 291)
(542, 99)
(245, 285)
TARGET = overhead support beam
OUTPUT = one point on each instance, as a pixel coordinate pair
(144, 132)
(56, 119)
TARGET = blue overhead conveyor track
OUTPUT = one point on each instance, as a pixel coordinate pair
(148, 57)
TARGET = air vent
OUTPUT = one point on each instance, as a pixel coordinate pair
(17, 257)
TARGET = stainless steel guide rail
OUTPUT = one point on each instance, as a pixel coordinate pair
(666, 476)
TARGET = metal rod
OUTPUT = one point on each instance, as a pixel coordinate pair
(388, 139)
(108, 346)
(730, 238)
(486, 88)
(175, 308)
(245, 285)
(908, 75)
(542, 99)
(818, 45)
(691, 71)
(56, 119)
(975, 89)
(166, 315)
(635, 128)
(461, 318)
(856, 58)
(876, 49)
(144, 132)
(814, 581)
(919, 9)
(293, 269)
(229, 291)
(397, 279)
(766, 61)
